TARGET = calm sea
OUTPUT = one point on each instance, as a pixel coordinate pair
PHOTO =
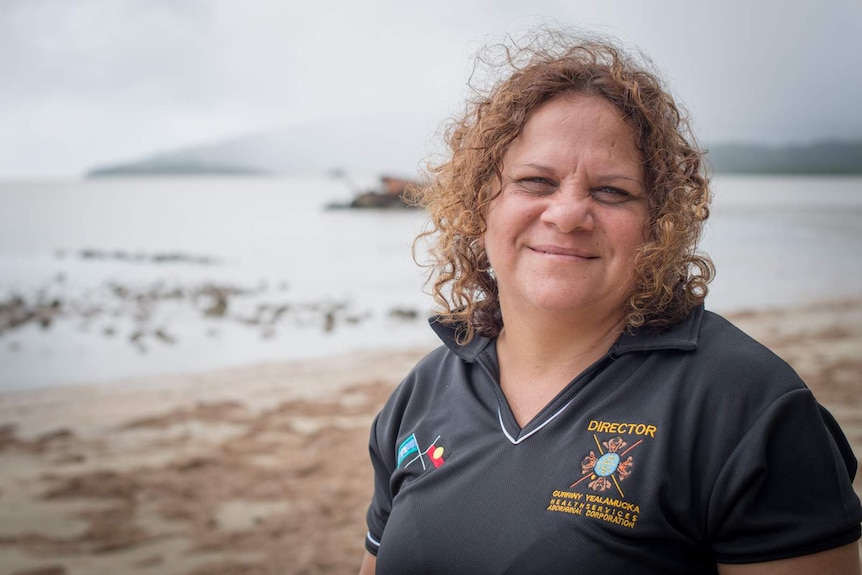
(102, 280)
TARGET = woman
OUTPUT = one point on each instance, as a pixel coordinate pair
(585, 413)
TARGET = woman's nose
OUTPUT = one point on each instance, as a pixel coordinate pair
(569, 211)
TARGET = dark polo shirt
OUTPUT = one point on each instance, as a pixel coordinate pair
(671, 453)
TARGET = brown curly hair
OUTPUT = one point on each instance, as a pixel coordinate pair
(671, 276)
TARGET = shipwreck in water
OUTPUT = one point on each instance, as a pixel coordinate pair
(391, 192)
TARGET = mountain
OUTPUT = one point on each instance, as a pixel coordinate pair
(399, 145)
(365, 144)
(828, 157)
(167, 166)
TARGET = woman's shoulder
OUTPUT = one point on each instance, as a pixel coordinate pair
(728, 366)
(707, 344)
(423, 381)
(726, 346)
(707, 355)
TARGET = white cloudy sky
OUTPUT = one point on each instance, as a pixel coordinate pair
(87, 82)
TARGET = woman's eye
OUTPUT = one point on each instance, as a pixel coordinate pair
(611, 195)
(536, 185)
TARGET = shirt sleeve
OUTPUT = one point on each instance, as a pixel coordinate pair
(381, 502)
(786, 490)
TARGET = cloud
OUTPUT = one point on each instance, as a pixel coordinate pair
(146, 51)
(88, 82)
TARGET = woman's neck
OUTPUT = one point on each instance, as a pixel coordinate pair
(550, 339)
(539, 357)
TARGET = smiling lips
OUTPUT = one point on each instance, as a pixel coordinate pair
(565, 252)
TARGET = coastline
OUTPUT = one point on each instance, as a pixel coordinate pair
(264, 468)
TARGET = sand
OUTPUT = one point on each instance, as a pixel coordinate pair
(262, 469)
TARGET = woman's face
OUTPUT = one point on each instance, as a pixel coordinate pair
(572, 211)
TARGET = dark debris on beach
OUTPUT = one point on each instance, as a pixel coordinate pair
(140, 257)
(150, 308)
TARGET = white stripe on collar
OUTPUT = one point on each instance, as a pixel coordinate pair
(546, 422)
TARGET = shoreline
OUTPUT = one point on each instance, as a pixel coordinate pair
(264, 468)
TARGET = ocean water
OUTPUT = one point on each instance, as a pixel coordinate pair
(102, 280)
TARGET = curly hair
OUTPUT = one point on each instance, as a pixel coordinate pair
(670, 276)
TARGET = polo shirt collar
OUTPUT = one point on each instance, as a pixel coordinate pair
(682, 336)
(448, 333)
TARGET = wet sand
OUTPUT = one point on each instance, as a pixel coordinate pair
(263, 469)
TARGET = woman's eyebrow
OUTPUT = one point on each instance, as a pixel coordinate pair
(532, 166)
(612, 177)
(602, 178)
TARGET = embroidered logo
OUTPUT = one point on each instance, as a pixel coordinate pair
(598, 493)
(436, 453)
(609, 468)
(409, 449)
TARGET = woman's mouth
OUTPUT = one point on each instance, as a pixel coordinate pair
(552, 250)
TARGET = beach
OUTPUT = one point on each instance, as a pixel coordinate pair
(179, 275)
(264, 469)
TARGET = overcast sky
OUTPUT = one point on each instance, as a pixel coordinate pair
(89, 82)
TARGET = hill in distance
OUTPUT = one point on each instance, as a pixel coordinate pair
(827, 157)
(374, 145)
(355, 145)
